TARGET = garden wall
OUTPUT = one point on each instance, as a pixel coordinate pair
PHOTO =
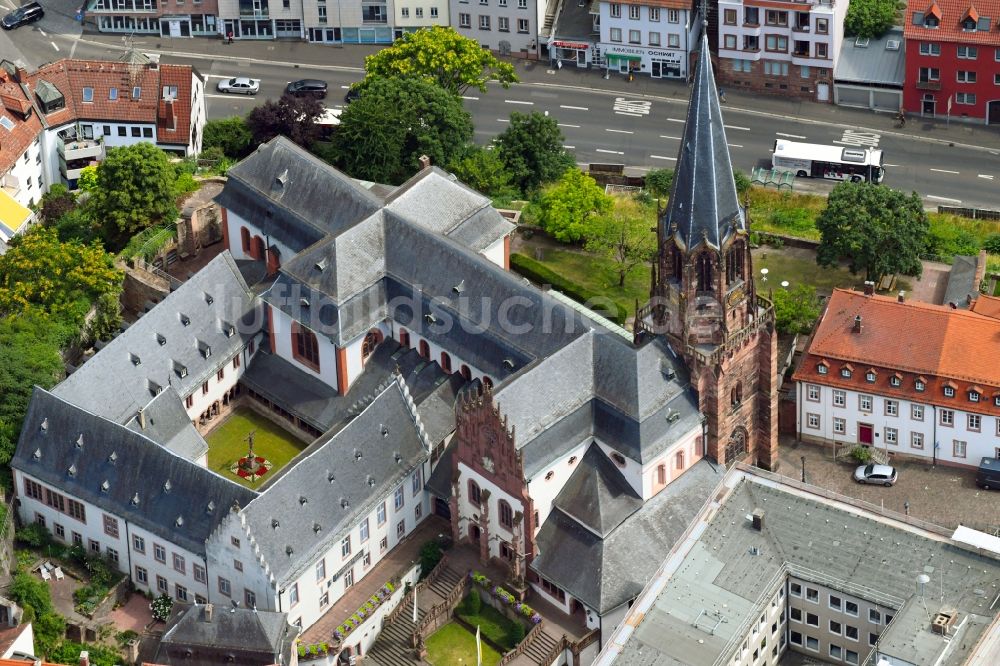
(6, 538)
(117, 595)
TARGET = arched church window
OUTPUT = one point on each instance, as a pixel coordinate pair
(371, 341)
(704, 270)
(677, 262)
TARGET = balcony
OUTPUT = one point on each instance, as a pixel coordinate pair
(928, 85)
(254, 13)
(81, 149)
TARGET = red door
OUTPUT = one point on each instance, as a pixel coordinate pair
(865, 434)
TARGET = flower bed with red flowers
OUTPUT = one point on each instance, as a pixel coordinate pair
(245, 469)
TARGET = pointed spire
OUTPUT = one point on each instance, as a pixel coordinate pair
(703, 204)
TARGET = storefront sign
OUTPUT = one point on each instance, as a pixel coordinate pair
(652, 53)
(571, 45)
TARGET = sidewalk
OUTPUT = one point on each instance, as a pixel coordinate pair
(351, 58)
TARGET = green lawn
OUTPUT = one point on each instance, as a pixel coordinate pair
(599, 275)
(452, 644)
(788, 265)
(492, 623)
(227, 444)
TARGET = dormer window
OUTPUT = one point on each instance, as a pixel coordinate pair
(973, 396)
(920, 385)
(113, 94)
(822, 369)
(968, 25)
(996, 400)
(870, 376)
(88, 94)
(136, 92)
(895, 380)
(845, 372)
(931, 22)
(949, 392)
(185, 320)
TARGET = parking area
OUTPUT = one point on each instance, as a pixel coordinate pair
(946, 496)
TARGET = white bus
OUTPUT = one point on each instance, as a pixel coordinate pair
(818, 161)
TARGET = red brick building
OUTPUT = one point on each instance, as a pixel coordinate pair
(953, 59)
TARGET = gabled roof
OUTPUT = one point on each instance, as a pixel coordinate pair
(951, 14)
(123, 472)
(596, 495)
(308, 506)
(704, 206)
(165, 421)
(161, 351)
(605, 573)
(257, 638)
(23, 130)
(988, 306)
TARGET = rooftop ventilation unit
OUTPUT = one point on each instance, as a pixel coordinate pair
(185, 320)
(861, 42)
(160, 339)
(944, 621)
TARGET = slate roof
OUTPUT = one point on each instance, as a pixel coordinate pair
(159, 348)
(727, 569)
(605, 573)
(596, 495)
(324, 493)
(704, 206)
(168, 424)
(874, 63)
(123, 471)
(962, 286)
(254, 638)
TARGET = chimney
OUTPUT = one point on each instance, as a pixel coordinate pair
(425, 162)
(857, 324)
(968, 299)
(758, 519)
(84, 658)
(141, 416)
(208, 612)
(901, 296)
(869, 288)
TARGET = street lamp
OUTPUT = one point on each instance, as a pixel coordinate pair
(784, 283)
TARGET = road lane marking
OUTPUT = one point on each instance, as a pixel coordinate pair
(610, 152)
(936, 198)
(620, 131)
(734, 145)
(43, 32)
(676, 120)
(231, 97)
(503, 120)
(519, 101)
(634, 115)
(945, 171)
(789, 136)
(474, 99)
(859, 138)
(744, 129)
(661, 157)
(343, 87)
(986, 176)
(54, 45)
(667, 136)
(629, 106)
(565, 125)
(570, 147)
(891, 165)
(575, 108)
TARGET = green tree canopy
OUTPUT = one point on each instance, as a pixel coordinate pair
(293, 117)
(134, 190)
(440, 55)
(569, 208)
(230, 135)
(57, 202)
(624, 235)
(383, 133)
(796, 309)
(532, 149)
(869, 18)
(484, 171)
(879, 230)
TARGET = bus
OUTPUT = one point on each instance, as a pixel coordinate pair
(819, 161)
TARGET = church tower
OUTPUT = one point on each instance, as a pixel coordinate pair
(704, 295)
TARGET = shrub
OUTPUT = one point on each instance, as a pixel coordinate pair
(516, 633)
(473, 604)
(862, 454)
(430, 555)
(542, 274)
(33, 535)
(161, 607)
(992, 244)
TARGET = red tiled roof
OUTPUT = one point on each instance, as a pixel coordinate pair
(951, 13)
(14, 142)
(937, 344)
(987, 306)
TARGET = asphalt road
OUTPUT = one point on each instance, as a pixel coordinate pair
(639, 130)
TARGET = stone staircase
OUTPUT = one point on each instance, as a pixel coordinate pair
(539, 652)
(444, 584)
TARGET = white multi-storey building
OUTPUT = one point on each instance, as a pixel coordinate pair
(653, 37)
(781, 46)
(902, 376)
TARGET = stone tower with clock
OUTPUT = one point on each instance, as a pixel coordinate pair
(490, 505)
(704, 296)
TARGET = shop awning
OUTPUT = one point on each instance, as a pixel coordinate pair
(13, 215)
(626, 58)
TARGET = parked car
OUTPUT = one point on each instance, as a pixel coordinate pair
(23, 15)
(880, 475)
(307, 88)
(239, 85)
(352, 94)
(988, 475)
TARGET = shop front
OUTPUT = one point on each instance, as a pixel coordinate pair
(566, 52)
(658, 63)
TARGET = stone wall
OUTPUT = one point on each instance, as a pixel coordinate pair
(141, 286)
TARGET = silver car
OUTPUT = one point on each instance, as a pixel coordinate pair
(240, 85)
(880, 475)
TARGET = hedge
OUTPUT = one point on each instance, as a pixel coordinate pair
(541, 274)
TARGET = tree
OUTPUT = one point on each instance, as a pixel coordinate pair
(742, 182)
(383, 133)
(568, 208)
(658, 183)
(134, 189)
(532, 149)
(440, 55)
(879, 230)
(624, 236)
(87, 182)
(796, 310)
(61, 279)
(230, 135)
(56, 202)
(484, 171)
(869, 18)
(293, 117)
